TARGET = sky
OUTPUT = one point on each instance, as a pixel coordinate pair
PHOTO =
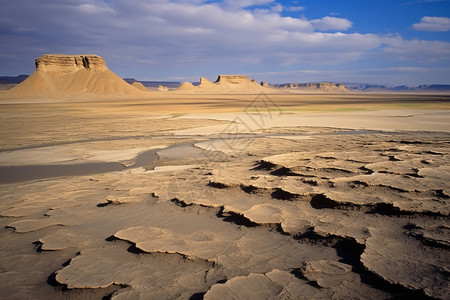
(391, 42)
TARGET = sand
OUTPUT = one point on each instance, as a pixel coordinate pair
(225, 196)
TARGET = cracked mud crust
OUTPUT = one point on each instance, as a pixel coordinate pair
(335, 215)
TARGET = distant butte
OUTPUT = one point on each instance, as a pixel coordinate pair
(59, 75)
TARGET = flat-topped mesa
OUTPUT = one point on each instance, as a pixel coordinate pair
(313, 85)
(233, 79)
(59, 75)
(69, 63)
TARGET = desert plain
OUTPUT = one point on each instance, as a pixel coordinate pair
(225, 195)
(182, 196)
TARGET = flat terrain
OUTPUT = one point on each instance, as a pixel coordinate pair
(226, 197)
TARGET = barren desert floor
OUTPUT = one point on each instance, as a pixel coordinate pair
(183, 196)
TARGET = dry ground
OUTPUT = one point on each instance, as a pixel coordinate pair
(225, 197)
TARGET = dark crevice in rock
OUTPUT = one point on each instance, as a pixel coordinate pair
(135, 250)
(109, 202)
(310, 182)
(37, 246)
(429, 242)
(415, 173)
(321, 201)
(393, 158)
(197, 296)
(333, 170)
(346, 247)
(326, 157)
(350, 251)
(441, 194)
(111, 238)
(281, 194)
(280, 230)
(397, 291)
(283, 171)
(217, 185)
(263, 165)
(366, 170)
(396, 189)
(236, 218)
(298, 273)
(249, 189)
(51, 280)
(433, 153)
(416, 232)
(66, 263)
(411, 142)
(386, 209)
(180, 203)
(357, 183)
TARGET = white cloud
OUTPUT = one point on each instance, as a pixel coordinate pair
(331, 23)
(236, 4)
(295, 8)
(433, 24)
(400, 49)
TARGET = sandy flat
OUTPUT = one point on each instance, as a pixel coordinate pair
(226, 197)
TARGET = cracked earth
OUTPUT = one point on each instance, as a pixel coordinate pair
(340, 214)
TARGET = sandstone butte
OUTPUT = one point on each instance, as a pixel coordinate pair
(225, 84)
(59, 75)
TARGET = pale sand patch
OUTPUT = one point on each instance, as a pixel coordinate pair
(68, 154)
(386, 120)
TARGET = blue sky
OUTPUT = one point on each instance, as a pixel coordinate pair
(389, 42)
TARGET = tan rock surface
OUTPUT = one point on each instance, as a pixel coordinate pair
(73, 75)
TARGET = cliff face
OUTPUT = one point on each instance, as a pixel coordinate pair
(232, 79)
(69, 63)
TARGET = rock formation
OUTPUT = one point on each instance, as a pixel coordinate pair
(60, 75)
(139, 85)
(163, 88)
(315, 87)
(225, 84)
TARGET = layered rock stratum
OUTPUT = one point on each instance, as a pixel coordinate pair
(315, 87)
(59, 75)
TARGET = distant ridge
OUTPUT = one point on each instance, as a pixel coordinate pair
(367, 87)
(154, 84)
(314, 87)
(13, 79)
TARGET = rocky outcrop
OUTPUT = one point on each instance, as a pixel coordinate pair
(225, 84)
(163, 88)
(59, 75)
(315, 86)
(69, 63)
(232, 79)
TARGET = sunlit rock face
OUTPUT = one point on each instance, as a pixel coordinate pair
(69, 63)
(233, 79)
